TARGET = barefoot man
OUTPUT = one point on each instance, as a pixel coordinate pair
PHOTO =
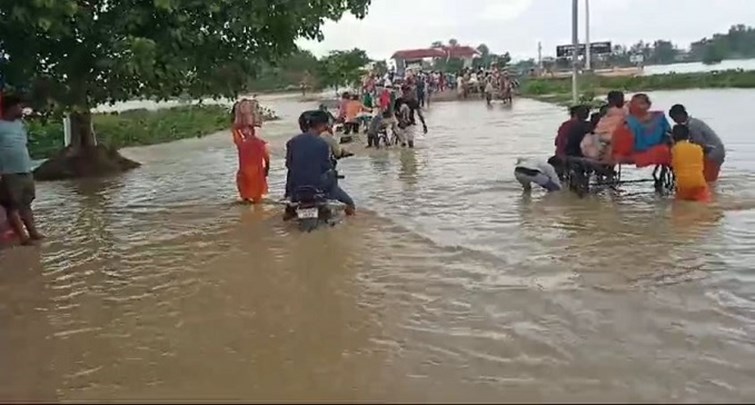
(16, 180)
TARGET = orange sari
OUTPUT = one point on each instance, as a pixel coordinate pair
(254, 160)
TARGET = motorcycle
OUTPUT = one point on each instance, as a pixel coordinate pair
(385, 139)
(310, 206)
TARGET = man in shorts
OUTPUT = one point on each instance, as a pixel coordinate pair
(16, 180)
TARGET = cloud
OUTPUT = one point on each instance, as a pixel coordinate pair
(505, 10)
(517, 25)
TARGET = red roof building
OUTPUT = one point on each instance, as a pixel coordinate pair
(415, 54)
(454, 52)
(412, 56)
(460, 52)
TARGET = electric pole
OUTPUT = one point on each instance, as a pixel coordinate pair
(540, 55)
(588, 62)
(575, 50)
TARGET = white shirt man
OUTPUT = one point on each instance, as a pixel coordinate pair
(528, 171)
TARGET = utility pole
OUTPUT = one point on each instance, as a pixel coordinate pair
(588, 62)
(540, 55)
(575, 50)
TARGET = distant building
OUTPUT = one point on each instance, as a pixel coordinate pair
(417, 57)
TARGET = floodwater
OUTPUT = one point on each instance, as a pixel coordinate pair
(449, 285)
(697, 67)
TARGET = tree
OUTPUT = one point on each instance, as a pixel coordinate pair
(286, 72)
(664, 52)
(381, 67)
(437, 44)
(77, 54)
(343, 67)
(525, 65)
(453, 42)
(714, 54)
(485, 56)
(483, 50)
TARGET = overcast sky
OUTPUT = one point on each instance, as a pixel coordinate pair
(517, 25)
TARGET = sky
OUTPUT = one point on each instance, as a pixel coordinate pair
(516, 26)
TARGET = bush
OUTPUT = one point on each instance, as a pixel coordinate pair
(138, 127)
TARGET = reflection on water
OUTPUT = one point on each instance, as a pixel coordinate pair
(450, 285)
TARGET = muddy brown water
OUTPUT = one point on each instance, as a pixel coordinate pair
(449, 285)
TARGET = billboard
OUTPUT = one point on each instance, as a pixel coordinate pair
(637, 58)
(596, 48)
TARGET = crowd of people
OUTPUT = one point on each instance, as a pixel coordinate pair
(467, 81)
(633, 133)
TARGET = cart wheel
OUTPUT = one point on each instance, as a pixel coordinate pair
(578, 182)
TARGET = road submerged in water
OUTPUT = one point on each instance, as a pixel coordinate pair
(450, 284)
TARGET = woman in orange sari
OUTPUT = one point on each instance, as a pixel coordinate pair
(254, 159)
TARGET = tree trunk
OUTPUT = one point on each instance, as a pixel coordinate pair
(82, 135)
(84, 157)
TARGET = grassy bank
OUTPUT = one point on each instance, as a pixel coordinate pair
(558, 90)
(137, 127)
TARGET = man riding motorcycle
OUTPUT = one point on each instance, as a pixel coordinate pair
(310, 159)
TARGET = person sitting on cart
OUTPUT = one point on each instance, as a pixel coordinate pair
(577, 116)
(688, 164)
(577, 131)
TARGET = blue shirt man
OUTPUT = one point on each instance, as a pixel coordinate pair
(14, 154)
(16, 180)
(308, 162)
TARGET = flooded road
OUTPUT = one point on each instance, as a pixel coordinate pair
(449, 285)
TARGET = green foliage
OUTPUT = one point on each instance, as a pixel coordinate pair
(342, 68)
(381, 67)
(488, 58)
(714, 53)
(287, 73)
(136, 127)
(537, 87)
(75, 54)
(739, 42)
(301, 67)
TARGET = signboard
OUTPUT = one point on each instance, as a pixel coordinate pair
(596, 48)
(637, 58)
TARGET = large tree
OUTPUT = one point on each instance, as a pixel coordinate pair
(76, 54)
(343, 68)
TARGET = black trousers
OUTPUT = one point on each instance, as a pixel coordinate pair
(351, 127)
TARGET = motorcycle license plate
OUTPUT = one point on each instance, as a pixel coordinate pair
(307, 213)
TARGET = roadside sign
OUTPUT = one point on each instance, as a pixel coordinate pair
(596, 48)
